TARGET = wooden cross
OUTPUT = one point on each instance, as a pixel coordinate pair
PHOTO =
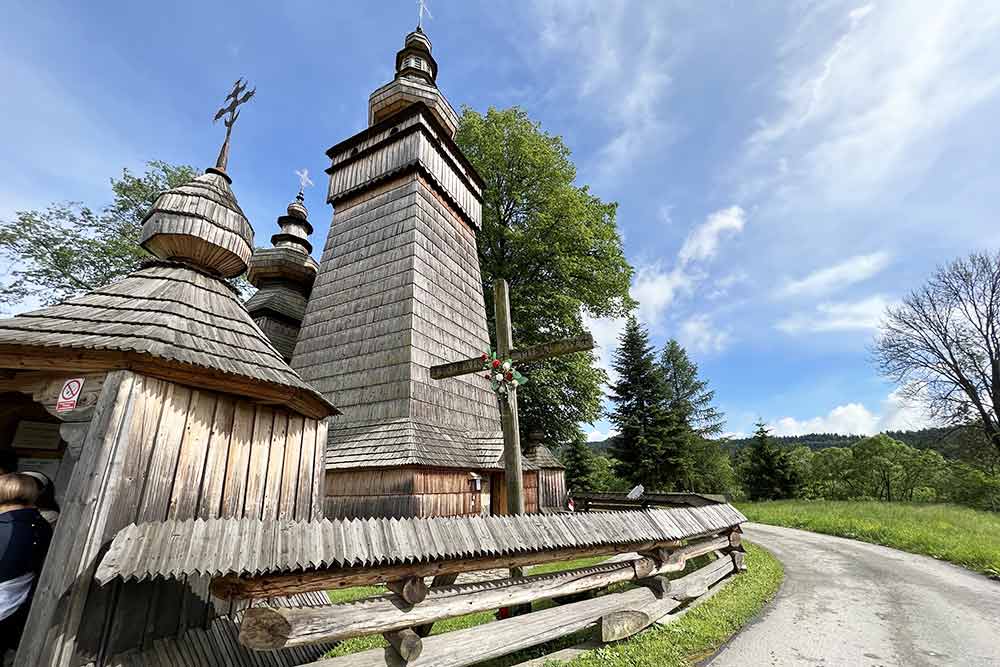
(508, 402)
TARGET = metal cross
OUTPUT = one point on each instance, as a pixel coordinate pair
(304, 180)
(422, 9)
(235, 98)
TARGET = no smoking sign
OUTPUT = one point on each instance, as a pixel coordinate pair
(69, 395)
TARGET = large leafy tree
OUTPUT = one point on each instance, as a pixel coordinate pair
(648, 445)
(558, 247)
(688, 394)
(70, 248)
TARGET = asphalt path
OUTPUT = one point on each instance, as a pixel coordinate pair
(849, 603)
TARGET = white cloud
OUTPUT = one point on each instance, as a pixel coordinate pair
(597, 436)
(837, 316)
(606, 331)
(703, 241)
(849, 272)
(655, 289)
(700, 334)
(624, 70)
(896, 414)
(871, 102)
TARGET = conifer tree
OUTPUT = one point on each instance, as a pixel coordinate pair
(688, 394)
(581, 465)
(646, 445)
(770, 474)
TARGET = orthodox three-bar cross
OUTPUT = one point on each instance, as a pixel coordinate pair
(508, 401)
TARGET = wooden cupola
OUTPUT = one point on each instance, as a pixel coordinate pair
(283, 276)
(415, 81)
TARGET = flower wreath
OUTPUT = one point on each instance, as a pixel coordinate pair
(501, 373)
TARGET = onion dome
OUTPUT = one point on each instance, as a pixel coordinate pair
(283, 276)
(415, 81)
(201, 223)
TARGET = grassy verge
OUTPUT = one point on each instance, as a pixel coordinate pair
(704, 629)
(963, 536)
(694, 636)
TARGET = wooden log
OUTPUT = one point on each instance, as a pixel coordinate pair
(739, 561)
(523, 355)
(233, 587)
(406, 643)
(735, 538)
(492, 640)
(439, 581)
(411, 589)
(626, 622)
(270, 628)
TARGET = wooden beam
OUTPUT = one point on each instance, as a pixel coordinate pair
(513, 473)
(406, 643)
(272, 628)
(627, 622)
(534, 353)
(412, 589)
(492, 640)
(437, 582)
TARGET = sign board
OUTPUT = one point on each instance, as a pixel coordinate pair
(33, 435)
(69, 394)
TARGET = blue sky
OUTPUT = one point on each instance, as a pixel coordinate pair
(784, 169)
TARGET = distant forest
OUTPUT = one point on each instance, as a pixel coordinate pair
(946, 441)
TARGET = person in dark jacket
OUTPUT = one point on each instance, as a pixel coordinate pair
(24, 541)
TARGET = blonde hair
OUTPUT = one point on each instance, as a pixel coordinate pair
(18, 489)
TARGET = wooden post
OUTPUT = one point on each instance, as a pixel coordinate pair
(508, 404)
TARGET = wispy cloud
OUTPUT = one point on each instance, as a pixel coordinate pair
(865, 314)
(849, 272)
(597, 435)
(703, 242)
(619, 56)
(874, 106)
(700, 334)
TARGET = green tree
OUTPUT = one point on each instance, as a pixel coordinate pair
(558, 247)
(580, 463)
(648, 434)
(705, 467)
(770, 474)
(605, 478)
(688, 394)
(70, 248)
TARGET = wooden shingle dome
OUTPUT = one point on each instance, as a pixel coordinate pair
(200, 222)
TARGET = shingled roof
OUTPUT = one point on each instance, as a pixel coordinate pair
(170, 320)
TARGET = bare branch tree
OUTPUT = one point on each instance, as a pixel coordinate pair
(942, 344)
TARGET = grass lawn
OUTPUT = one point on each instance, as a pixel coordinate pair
(964, 536)
(696, 635)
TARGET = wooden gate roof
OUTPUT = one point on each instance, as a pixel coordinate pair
(169, 320)
(219, 547)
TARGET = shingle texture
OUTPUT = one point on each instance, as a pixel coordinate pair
(219, 547)
(200, 222)
(165, 311)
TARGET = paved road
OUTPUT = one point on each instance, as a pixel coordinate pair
(849, 603)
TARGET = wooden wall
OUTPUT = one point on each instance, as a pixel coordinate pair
(499, 499)
(157, 450)
(552, 488)
(402, 492)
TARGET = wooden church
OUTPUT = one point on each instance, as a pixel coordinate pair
(399, 290)
(163, 396)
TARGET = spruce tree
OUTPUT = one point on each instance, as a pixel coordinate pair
(581, 465)
(687, 394)
(770, 474)
(646, 445)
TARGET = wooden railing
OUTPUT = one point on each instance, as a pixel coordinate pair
(650, 547)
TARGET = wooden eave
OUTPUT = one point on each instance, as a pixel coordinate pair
(417, 108)
(72, 360)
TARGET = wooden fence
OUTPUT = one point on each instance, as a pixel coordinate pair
(651, 546)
